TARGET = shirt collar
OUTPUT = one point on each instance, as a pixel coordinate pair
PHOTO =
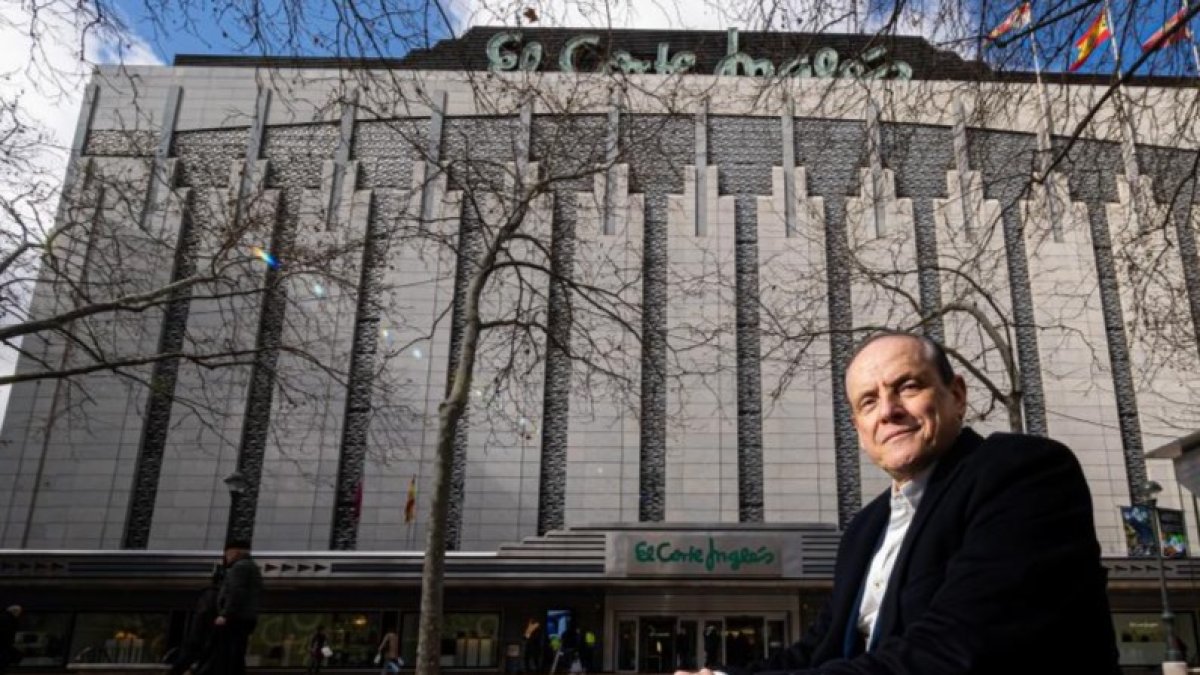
(910, 493)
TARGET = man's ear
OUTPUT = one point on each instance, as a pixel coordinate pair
(958, 388)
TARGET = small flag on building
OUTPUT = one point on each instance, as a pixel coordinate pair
(1095, 36)
(410, 504)
(1018, 18)
(1161, 37)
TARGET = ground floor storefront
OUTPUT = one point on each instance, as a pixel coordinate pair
(637, 600)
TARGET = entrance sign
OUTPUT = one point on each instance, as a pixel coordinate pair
(721, 554)
(506, 51)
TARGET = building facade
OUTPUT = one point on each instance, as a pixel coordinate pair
(705, 222)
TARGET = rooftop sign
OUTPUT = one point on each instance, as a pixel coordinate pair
(507, 51)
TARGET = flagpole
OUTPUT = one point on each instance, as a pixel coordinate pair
(1191, 40)
(1128, 147)
(1045, 134)
(1041, 84)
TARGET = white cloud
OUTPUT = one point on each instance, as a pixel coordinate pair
(45, 63)
(941, 21)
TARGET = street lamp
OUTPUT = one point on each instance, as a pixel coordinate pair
(236, 483)
(1152, 488)
(238, 486)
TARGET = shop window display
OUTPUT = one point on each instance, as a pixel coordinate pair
(42, 639)
(119, 638)
(469, 640)
(281, 640)
(1141, 638)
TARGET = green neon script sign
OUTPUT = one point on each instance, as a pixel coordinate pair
(506, 51)
(710, 557)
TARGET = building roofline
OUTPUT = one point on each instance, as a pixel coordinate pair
(467, 52)
(400, 63)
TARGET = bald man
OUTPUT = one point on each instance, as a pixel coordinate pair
(980, 559)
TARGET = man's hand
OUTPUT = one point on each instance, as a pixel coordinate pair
(219, 621)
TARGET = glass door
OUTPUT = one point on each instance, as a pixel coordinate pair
(650, 643)
(745, 642)
(627, 646)
(713, 643)
(687, 645)
(656, 648)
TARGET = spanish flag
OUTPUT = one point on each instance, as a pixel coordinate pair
(410, 504)
(1160, 37)
(1095, 36)
(1018, 18)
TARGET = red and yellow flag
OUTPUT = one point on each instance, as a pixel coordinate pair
(1018, 18)
(410, 504)
(1095, 36)
(1160, 37)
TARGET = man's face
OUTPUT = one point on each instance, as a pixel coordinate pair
(233, 555)
(905, 415)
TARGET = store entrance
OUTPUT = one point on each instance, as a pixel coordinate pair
(666, 643)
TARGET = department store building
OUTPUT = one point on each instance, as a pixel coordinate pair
(657, 443)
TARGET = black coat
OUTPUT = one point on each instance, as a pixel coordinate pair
(9, 654)
(999, 572)
(238, 598)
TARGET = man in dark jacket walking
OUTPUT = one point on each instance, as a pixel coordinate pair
(10, 620)
(237, 609)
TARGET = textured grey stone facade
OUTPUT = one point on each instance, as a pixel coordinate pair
(658, 151)
(840, 148)
(1001, 157)
(568, 174)
(745, 150)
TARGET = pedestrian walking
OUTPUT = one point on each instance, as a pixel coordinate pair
(10, 621)
(388, 658)
(318, 644)
(532, 646)
(237, 610)
(196, 650)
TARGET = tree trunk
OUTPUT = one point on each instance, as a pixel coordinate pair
(1016, 421)
(450, 411)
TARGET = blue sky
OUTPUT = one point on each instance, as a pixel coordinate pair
(182, 27)
(1133, 21)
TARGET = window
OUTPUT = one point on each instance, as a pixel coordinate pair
(469, 640)
(42, 639)
(281, 640)
(1141, 639)
(776, 637)
(119, 638)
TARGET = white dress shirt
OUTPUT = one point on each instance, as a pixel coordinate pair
(905, 499)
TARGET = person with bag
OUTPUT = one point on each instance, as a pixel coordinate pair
(318, 650)
(388, 657)
(196, 649)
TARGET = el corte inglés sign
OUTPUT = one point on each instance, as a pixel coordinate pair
(507, 51)
(658, 554)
